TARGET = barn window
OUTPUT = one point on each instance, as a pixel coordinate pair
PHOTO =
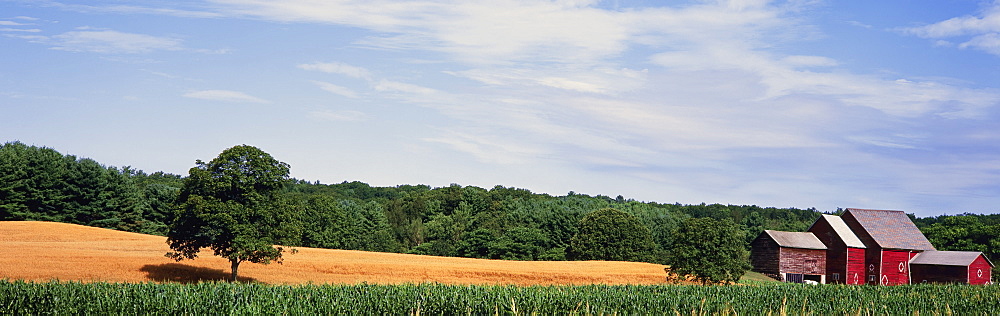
(836, 276)
(871, 278)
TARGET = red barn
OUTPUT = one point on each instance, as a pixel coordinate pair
(891, 240)
(845, 255)
(970, 267)
(788, 256)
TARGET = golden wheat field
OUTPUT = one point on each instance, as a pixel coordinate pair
(42, 251)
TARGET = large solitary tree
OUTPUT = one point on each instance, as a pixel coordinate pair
(711, 250)
(232, 205)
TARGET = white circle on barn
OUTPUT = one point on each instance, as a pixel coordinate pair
(901, 267)
(979, 272)
(871, 267)
(885, 279)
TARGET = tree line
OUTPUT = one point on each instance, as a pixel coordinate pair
(38, 183)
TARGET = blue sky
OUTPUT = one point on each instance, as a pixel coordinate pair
(872, 104)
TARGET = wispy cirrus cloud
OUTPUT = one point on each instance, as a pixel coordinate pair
(981, 31)
(112, 42)
(338, 68)
(224, 96)
(103, 41)
(711, 56)
(339, 116)
(336, 89)
(192, 11)
(699, 96)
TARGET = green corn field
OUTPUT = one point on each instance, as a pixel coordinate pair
(70, 298)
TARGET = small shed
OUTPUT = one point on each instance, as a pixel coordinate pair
(789, 256)
(969, 267)
(845, 256)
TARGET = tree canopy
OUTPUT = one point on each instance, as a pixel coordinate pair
(38, 183)
(231, 205)
(711, 250)
(611, 234)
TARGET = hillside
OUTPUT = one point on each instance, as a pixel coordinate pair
(44, 251)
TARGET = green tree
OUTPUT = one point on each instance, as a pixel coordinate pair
(231, 205)
(711, 250)
(610, 234)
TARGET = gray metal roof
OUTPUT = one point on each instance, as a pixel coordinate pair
(844, 232)
(804, 240)
(947, 258)
(891, 229)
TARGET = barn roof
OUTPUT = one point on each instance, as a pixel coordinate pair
(843, 232)
(948, 258)
(890, 229)
(804, 240)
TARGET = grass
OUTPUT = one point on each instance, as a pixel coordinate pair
(754, 278)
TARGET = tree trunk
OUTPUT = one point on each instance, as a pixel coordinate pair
(236, 266)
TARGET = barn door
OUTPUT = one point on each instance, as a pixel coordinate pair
(793, 277)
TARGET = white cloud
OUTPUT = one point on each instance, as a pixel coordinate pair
(339, 116)
(692, 97)
(402, 87)
(20, 30)
(986, 42)
(224, 96)
(111, 42)
(335, 89)
(987, 22)
(481, 32)
(131, 9)
(11, 23)
(983, 31)
(809, 61)
(338, 68)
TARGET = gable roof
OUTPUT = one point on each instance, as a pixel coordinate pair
(804, 240)
(948, 258)
(890, 229)
(840, 228)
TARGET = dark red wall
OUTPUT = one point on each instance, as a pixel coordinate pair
(805, 261)
(926, 273)
(836, 254)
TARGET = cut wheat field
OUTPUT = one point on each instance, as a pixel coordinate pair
(44, 251)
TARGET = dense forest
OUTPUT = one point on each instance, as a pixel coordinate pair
(38, 183)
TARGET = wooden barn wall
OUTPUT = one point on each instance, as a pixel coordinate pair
(925, 273)
(895, 267)
(805, 261)
(873, 264)
(980, 271)
(873, 253)
(764, 254)
(836, 254)
(855, 266)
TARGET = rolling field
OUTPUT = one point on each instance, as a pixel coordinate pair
(43, 251)
(98, 271)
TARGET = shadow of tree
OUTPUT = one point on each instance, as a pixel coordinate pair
(182, 273)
